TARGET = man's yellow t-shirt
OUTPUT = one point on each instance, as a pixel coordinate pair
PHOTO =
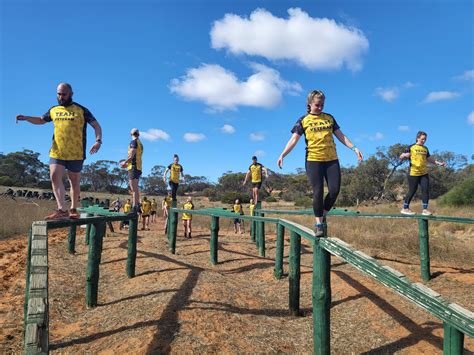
(146, 207)
(256, 172)
(154, 206)
(175, 170)
(127, 207)
(137, 159)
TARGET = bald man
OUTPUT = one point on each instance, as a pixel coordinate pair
(68, 150)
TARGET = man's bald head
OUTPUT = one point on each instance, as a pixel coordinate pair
(64, 93)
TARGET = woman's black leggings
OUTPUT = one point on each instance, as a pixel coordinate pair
(413, 181)
(317, 172)
(174, 189)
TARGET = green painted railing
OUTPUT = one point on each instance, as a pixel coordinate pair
(423, 228)
(36, 314)
(457, 320)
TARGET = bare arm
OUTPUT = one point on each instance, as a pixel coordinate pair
(405, 156)
(265, 171)
(132, 153)
(164, 175)
(246, 177)
(31, 119)
(347, 142)
(436, 162)
(289, 147)
(98, 137)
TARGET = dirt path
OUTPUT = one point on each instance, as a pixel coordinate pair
(182, 304)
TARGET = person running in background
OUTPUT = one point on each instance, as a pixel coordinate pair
(154, 207)
(321, 157)
(127, 207)
(419, 156)
(237, 208)
(165, 206)
(255, 170)
(68, 150)
(146, 210)
(176, 171)
(251, 211)
(187, 217)
(134, 165)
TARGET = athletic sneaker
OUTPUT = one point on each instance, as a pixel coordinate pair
(73, 214)
(407, 211)
(318, 230)
(426, 213)
(58, 214)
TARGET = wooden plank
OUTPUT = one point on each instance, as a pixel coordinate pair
(31, 334)
(39, 244)
(36, 307)
(39, 260)
(40, 228)
(38, 281)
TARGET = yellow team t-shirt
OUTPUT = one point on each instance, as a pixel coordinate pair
(256, 172)
(188, 206)
(251, 208)
(318, 131)
(70, 124)
(168, 201)
(237, 209)
(175, 170)
(154, 206)
(127, 207)
(418, 159)
(146, 207)
(137, 159)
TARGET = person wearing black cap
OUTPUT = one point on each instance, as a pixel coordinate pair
(255, 170)
(134, 165)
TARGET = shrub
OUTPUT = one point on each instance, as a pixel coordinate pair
(304, 202)
(460, 195)
(6, 181)
(230, 197)
(270, 199)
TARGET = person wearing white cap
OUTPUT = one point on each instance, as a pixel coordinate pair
(134, 165)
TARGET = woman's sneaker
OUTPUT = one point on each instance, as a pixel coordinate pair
(58, 214)
(407, 211)
(426, 213)
(318, 230)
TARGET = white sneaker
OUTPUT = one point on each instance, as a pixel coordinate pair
(407, 211)
(426, 213)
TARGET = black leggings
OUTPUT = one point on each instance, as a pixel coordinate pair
(317, 172)
(413, 181)
(174, 189)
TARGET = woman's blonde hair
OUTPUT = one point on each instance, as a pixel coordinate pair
(315, 93)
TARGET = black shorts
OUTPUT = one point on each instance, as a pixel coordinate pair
(74, 166)
(237, 221)
(134, 173)
(258, 185)
(145, 215)
(153, 213)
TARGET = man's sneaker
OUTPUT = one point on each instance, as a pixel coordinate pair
(73, 214)
(58, 214)
(426, 213)
(318, 230)
(407, 211)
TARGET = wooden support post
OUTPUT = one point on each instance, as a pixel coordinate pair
(214, 239)
(88, 231)
(424, 249)
(27, 282)
(280, 247)
(321, 295)
(71, 240)
(173, 229)
(294, 273)
(453, 342)
(111, 227)
(93, 263)
(261, 237)
(132, 246)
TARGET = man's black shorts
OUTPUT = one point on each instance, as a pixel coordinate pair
(258, 185)
(134, 173)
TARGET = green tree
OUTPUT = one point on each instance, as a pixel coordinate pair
(23, 168)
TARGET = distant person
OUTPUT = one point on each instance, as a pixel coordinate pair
(165, 207)
(237, 208)
(187, 217)
(154, 207)
(321, 157)
(256, 170)
(176, 171)
(127, 207)
(419, 156)
(146, 211)
(116, 205)
(251, 212)
(68, 150)
(134, 165)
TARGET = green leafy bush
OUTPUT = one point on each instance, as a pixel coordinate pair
(460, 195)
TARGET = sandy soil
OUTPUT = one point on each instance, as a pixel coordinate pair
(182, 304)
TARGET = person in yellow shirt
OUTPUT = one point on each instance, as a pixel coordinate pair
(134, 165)
(322, 163)
(256, 171)
(68, 150)
(176, 171)
(126, 209)
(419, 156)
(237, 208)
(187, 217)
(146, 210)
(165, 207)
(251, 211)
(154, 207)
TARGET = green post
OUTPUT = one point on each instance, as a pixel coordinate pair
(261, 237)
(424, 249)
(27, 283)
(294, 273)
(71, 239)
(280, 247)
(321, 295)
(93, 263)
(453, 343)
(214, 239)
(88, 231)
(173, 229)
(132, 247)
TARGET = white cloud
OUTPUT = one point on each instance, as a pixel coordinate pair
(154, 134)
(387, 94)
(260, 153)
(228, 129)
(376, 137)
(409, 85)
(467, 75)
(194, 137)
(220, 89)
(315, 43)
(257, 136)
(404, 128)
(470, 118)
(440, 95)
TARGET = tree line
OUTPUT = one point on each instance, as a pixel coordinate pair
(382, 177)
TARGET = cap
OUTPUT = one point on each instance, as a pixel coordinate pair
(134, 130)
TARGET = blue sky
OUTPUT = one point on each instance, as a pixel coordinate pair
(220, 81)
